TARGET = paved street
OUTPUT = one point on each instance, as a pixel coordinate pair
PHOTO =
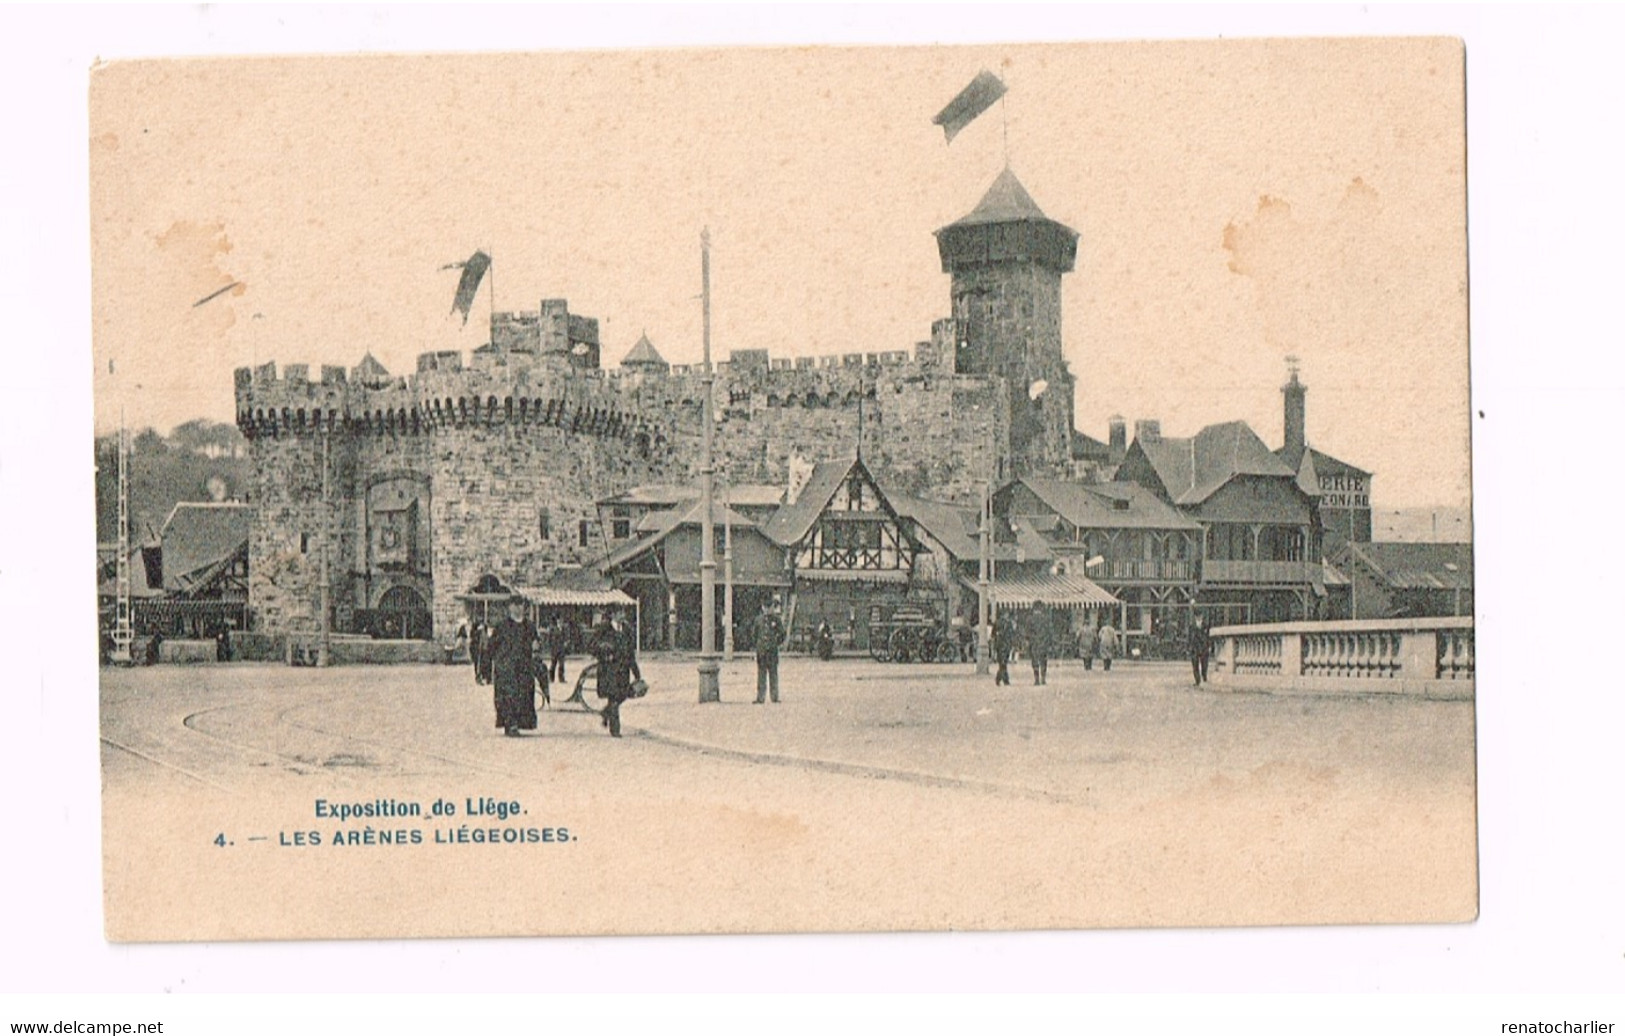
(873, 796)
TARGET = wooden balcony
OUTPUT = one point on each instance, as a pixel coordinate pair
(1161, 571)
(1261, 573)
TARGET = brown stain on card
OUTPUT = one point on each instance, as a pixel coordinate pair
(763, 830)
(190, 255)
(1250, 244)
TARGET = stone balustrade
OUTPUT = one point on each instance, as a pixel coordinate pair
(1426, 657)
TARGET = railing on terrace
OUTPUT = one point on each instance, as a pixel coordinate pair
(1171, 571)
(1432, 657)
(1275, 573)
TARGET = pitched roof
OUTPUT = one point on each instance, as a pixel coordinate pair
(1326, 464)
(1193, 469)
(1095, 506)
(660, 524)
(1415, 566)
(107, 570)
(1308, 477)
(957, 529)
(1007, 201)
(369, 369)
(794, 519)
(644, 354)
(199, 535)
(949, 524)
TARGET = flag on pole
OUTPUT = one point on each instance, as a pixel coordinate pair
(469, 285)
(972, 101)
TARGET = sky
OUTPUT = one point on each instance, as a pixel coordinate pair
(1237, 202)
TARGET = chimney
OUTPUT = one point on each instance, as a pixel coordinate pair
(1117, 438)
(1293, 393)
(1148, 429)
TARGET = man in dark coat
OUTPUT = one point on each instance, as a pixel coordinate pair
(617, 668)
(1038, 643)
(564, 638)
(1002, 646)
(766, 635)
(1199, 648)
(513, 672)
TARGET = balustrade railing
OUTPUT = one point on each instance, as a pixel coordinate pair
(1456, 655)
(1258, 655)
(1426, 656)
(1369, 654)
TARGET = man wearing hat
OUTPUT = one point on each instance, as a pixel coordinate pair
(767, 634)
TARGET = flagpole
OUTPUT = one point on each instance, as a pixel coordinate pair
(710, 686)
(1004, 113)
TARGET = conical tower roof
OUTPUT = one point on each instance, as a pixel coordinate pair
(1007, 201)
(644, 354)
(972, 241)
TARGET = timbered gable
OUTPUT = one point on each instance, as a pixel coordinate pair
(842, 522)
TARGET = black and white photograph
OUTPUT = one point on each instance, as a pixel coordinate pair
(904, 489)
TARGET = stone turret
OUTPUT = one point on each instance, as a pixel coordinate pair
(1006, 259)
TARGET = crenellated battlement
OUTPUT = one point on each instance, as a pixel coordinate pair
(518, 386)
(492, 461)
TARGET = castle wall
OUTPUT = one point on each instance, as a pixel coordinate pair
(515, 434)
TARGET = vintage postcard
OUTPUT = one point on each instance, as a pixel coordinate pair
(751, 490)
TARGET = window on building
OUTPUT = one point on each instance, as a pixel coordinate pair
(304, 543)
(620, 525)
(583, 532)
(544, 524)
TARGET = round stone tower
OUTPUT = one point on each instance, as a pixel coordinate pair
(1006, 258)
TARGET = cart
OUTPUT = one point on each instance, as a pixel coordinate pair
(912, 633)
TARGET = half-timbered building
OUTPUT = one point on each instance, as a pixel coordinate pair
(854, 556)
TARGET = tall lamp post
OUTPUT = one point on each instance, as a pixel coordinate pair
(727, 574)
(710, 687)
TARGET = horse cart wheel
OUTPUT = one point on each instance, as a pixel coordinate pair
(880, 647)
(903, 647)
(586, 690)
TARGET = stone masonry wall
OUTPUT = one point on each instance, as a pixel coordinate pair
(519, 433)
(1012, 314)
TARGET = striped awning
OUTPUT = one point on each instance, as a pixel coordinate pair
(1055, 591)
(556, 596)
(852, 575)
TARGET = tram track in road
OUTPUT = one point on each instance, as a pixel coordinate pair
(375, 755)
(153, 760)
(246, 736)
(856, 771)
